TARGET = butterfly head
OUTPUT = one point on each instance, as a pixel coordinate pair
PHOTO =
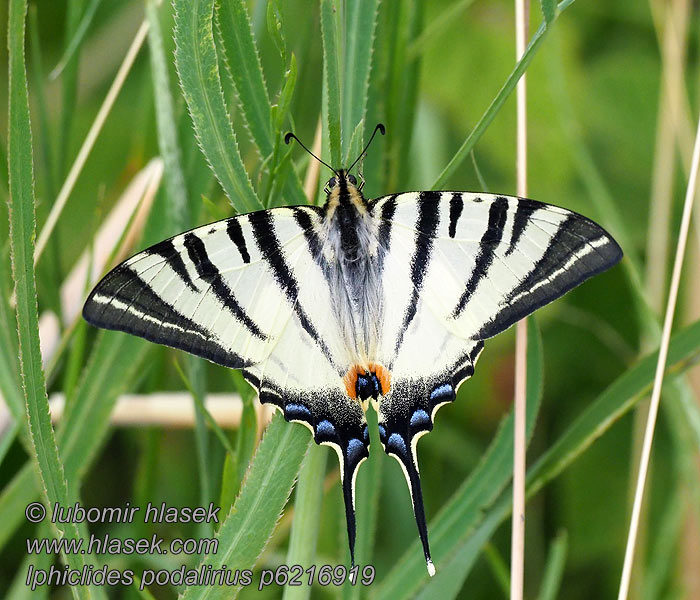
(343, 179)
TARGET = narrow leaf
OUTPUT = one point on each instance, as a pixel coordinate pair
(307, 508)
(244, 62)
(248, 527)
(77, 38)
(198, 70)
(178, 208)
(22, 233)
(500, 99)
(549, 10)
(360, 23)
(331, 79)
(554, 568)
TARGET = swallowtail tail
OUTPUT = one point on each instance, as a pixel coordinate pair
(326, 309)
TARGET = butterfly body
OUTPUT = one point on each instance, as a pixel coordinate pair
(328, 309)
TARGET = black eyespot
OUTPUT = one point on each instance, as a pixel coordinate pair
(351, 179)
(332, 182)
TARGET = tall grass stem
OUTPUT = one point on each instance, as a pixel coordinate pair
(517, 550)
(660, 367)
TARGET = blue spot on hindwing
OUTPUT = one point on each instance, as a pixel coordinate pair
(365, 434)
(325, 430)
(396, 444)
(354, 450)
(297, 412)
(442, 393)
(420, 418)
(382, 433)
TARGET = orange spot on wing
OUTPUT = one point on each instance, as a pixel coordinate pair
(382, 373)
(350, 380)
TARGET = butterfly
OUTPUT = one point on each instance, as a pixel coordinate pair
(328, 309)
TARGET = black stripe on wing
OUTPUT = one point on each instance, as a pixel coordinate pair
(521, 219)
(166, 250)
(235, 234)
(456, 208)
(498, 213)
(426, 226)
(208, 272)
(578, 250)
(123, 301)
(269, 246)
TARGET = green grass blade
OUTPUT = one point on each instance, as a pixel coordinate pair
(22, 232)
(500, 99)
(331, 80)
(39, 87)
(69, 87)
(549, 10)
(402, 76)
(356, 144)
(198, 70)
(244, 61)
(248, 527)
(307, 508)
(175, 183)
(9, 366)
(554, 568)
(360, 23)
(449, 579)
(465, 509)
(275, 28)
(499, 569)
(77, 38)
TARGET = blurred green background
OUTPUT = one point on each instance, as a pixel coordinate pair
(594, 106)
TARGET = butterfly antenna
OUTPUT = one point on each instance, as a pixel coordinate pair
(380, 128)
(291, 136)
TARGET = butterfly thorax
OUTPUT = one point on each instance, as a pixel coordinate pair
(356, 289)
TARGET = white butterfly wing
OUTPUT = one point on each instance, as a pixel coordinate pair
(250, 292)
(460, 268)
(222, 291)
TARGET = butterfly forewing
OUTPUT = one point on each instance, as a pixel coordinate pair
(209, 291)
